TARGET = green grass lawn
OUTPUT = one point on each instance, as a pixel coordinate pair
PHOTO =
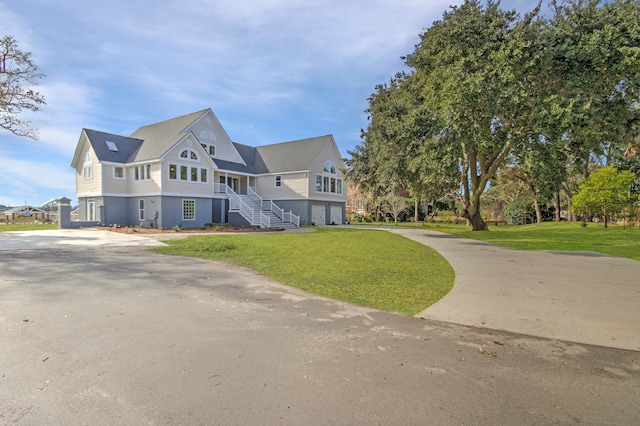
(375, 269)
(8, 227)
(615, 240)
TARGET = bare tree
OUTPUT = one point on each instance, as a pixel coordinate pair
(394, 205)
(18, 75)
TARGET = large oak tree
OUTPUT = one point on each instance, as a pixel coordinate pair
(489, 88)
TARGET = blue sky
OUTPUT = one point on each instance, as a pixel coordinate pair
(271, 71)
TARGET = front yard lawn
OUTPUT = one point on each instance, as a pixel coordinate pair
(615, 240)
(370, 268)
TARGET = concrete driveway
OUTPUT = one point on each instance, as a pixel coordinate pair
(583, 297)
(102, 334)
(71, 238)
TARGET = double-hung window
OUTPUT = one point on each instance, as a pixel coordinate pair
(142, 172)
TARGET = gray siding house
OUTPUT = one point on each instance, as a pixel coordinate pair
(186, 171)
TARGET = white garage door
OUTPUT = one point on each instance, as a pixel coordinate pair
(317, 215)
(336, 215)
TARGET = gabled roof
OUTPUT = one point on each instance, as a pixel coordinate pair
(23, 209)
(160, 137)
(153, 141)
(126, 147)
(289, 156)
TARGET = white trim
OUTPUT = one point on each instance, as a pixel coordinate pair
(194, 209)
(190, 151)
(282, 173)
(202, 154)
(138, 163)
(217, 124)
(155, 194)
(124, 172)
(189, 167)
(217, 169)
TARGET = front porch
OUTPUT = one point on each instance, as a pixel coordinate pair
(247, 207)
(240, 184)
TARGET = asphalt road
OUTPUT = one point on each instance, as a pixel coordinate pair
(99, 335)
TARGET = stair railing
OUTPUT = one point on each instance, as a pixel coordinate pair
(257, 217)
(237, 205)
(254, 196)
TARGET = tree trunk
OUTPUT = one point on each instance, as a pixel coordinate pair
(476, 222)
(472, 213)
(604, 214)
(536, 204)
(415, 206)
(557, 205)
(572, 216)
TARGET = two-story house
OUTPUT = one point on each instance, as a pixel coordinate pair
(186, 171)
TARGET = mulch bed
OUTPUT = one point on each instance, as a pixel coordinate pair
(205, 229)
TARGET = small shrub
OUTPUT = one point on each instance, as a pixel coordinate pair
(177, 228)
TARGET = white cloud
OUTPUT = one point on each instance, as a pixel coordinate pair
(70, 107)
(25, 180)
(272, 70)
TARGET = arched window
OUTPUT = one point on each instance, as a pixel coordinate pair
(189, 155)
(206, 135)
(329, 167)
(328, 181)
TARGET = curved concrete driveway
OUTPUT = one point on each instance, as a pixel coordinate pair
(71, 238)
(583, 297)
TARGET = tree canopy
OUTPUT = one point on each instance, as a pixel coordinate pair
(18, 76)
(605, 193)
(489, 88)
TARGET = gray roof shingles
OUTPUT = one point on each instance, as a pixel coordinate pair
(152, 141)
(127, 147)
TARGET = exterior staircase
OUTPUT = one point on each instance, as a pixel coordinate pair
(259, 212)
(267, 215)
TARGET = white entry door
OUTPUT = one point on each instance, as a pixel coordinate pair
(91, 211)
(317, 214)
(336, 215)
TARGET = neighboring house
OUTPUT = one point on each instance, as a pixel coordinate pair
(359, 202)
(187, 172)
(29, 212)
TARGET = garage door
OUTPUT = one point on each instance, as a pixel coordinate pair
(336, 215)
(317, 215)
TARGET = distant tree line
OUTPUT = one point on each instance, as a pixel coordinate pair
(503, 108)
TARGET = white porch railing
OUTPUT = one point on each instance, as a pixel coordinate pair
(285, 216)
(290, 217)
(254, 216)
(254, 196)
